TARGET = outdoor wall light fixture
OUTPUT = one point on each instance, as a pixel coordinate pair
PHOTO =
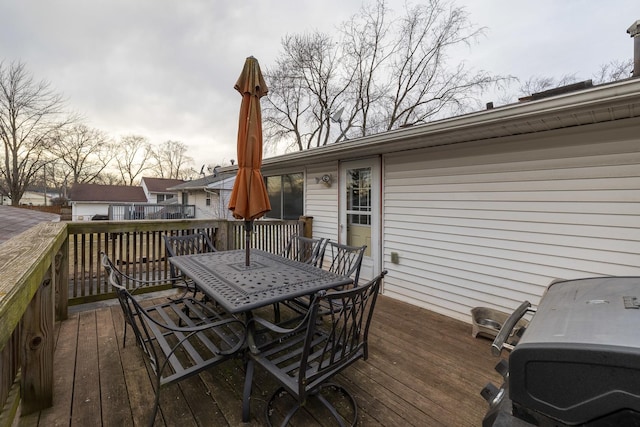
(325, 180)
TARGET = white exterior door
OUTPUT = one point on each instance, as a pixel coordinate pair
(360, 211)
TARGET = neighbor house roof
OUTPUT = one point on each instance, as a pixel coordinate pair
(107, 193)
(16, 220)
(198, 184)
(597, 104)
(161, 185)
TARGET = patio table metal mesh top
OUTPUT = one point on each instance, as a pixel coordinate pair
(269, 278)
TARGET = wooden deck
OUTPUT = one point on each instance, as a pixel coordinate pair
(424, 369)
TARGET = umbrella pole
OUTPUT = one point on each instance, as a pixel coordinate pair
(248, 225)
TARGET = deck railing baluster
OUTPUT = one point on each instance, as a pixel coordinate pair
(138, 249)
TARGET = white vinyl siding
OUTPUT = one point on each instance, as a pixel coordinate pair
(493, 225)
(204, 211)
(84, 211)
(321, 202)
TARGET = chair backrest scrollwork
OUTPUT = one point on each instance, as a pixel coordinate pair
(344, 259)
(305, 249)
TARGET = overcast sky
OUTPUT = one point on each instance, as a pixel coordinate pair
(166, 69)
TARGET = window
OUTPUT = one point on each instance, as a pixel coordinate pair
(359, 208)
(208, 200)
(286, 194)
(163, 197)
(359, 197)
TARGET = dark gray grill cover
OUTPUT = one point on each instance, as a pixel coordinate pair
(579, 359)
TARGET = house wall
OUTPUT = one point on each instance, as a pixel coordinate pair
(34, 198)
(493, 224)
(218, 208)
(85, 211)
(199, 198)
(321, 202)
(223, 203)
(147, 193)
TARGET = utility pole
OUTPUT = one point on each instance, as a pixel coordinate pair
(44, 182)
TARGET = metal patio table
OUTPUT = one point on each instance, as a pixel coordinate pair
(224, 277)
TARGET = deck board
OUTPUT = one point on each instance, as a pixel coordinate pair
(424, 369)
(116, 411)
(86, 409)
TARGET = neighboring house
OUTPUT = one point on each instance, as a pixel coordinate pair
(35, 198)
(89, 200)
(484, 209)
(209, 194)
(157, 189)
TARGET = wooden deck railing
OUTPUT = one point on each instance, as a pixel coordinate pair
(53, 265)
(138, 249)
(34, 269)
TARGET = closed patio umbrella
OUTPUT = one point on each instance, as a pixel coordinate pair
(249, 198)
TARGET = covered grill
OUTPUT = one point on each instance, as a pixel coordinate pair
(578, 361)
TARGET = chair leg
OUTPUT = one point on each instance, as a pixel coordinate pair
(269, 409)
(332, 408)
(184, 293)
(276, 312)
(342, 422)
(246, 395)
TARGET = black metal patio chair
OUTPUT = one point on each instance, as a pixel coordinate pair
(303, 249)
(188, 244)
(341, 259)
(133, 284)
(179, 337)
(305, 358)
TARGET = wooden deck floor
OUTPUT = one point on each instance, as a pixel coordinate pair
(424, 369)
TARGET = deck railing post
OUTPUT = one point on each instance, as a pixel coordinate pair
(27, 311)
(307, 226)
(37, 347)
(223, 234)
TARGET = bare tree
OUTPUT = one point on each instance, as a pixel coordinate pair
(285, 107)
(613, 71)
(368, 45)
(30, 115)
(423, 85)
(304, 89)
(109, 178)
(82, 154)
(382, 74)
(535, 84)
(133, 157)
(171, 160)
(608, 72)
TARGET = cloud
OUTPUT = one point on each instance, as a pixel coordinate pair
(165, 69)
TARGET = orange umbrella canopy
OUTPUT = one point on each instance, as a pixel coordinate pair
(249, 198)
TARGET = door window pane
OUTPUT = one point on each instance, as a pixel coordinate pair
(359, 208)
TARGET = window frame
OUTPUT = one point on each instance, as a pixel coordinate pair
(298, 200)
